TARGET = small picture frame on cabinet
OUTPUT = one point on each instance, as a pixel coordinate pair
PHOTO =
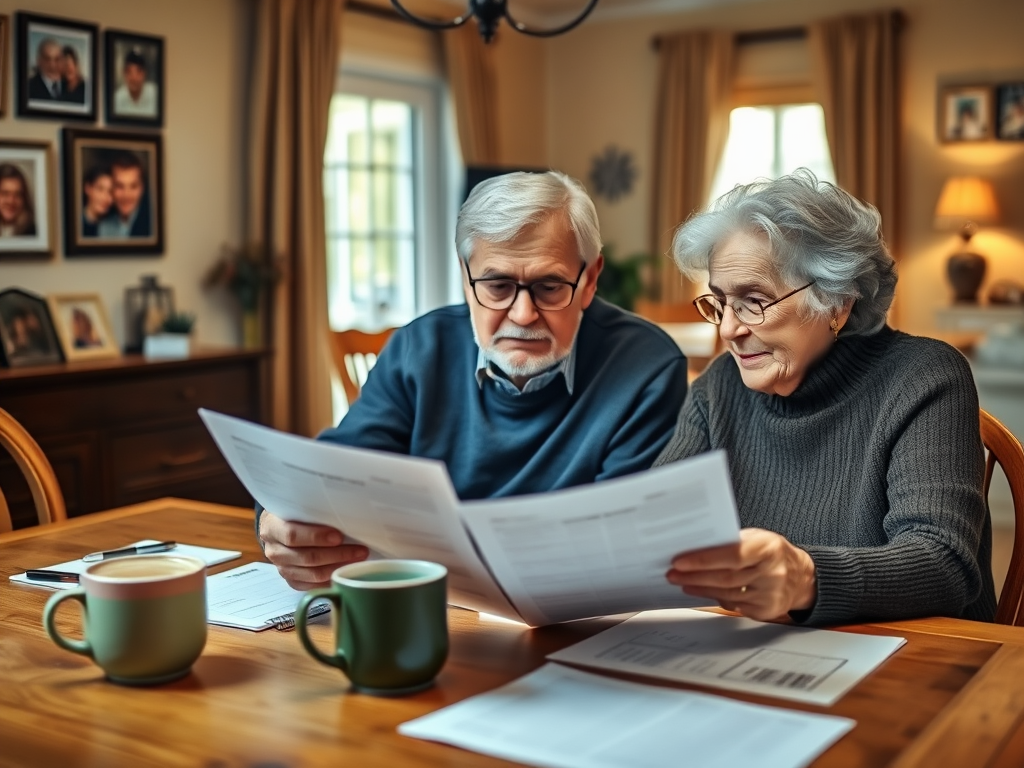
(27, 334)
(83, 326)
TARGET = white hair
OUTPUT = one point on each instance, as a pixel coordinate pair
(499, 208)
(816, 232)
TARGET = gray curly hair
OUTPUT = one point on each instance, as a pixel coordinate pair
(499, 208)
(816, 232)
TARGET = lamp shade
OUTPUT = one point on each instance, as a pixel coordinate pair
(966, 200)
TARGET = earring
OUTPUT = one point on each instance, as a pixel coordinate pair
(834, 325)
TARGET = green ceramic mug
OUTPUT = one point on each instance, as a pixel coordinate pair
(390, 626)
(143, 617)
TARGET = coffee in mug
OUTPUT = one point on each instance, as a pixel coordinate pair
(144, 617)
(390, 626)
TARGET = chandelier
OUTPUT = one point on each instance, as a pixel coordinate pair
(488, 13)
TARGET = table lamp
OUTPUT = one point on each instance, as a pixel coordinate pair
(965, 202)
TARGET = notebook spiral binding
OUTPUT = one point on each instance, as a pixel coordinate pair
(287, 621)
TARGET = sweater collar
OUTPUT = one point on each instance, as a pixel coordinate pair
(838, 373)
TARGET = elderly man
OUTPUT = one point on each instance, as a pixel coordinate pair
(48, 81)
(533, 385)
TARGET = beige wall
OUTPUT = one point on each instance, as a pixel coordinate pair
(601, 85)
(205, 81)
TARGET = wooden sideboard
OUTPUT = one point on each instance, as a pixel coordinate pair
(126, 430)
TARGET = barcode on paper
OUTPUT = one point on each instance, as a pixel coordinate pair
(784, 669)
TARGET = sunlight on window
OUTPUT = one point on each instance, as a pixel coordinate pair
(768, 142)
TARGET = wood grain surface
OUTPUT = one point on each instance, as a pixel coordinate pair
(257, 699)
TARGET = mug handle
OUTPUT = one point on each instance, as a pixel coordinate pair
(301, 615)
(49, 622)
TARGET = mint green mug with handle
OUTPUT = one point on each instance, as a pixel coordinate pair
(390, 626)
(143, 618)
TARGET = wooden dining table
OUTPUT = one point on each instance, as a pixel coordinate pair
(953, 695)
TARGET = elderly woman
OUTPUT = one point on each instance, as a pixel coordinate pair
(855, 450)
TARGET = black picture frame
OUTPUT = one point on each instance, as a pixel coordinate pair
(1010, 111)
(27, 334)
(49, 41)
(127, 56)
(5, 56)
(113, 193)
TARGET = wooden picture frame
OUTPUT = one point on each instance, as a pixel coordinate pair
(82, 325)
(134, 78)
(27, 194)
(55, 67)
(5, 55)
(113, 193)
(1010, 111)
(966, 113)
(27, 333)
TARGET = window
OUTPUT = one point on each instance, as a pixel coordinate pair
(385, 188)
(771, 141)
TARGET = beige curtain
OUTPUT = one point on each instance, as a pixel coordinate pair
(473, 82)
(856, 70)
(692, 124)
(294, 66)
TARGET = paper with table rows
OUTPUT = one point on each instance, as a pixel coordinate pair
(590, 551)
(565, 718)
(816, 666)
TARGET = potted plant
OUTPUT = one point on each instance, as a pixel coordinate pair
(624, 280)
(247, 273)
(174, 341)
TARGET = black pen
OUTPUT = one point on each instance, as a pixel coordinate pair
(141, 549)
(64, 577)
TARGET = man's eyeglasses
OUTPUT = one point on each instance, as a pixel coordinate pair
(501, 293)
(748, 311)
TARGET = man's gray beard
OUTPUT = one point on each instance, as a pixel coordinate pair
(529, 368)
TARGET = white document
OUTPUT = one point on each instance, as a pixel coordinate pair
(604, 549)
(398, 506)
(564, 718)
(208, 555)
(816, 666)
(254, 597)
(595, 550)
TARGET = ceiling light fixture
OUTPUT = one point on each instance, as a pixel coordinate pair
(488, 13)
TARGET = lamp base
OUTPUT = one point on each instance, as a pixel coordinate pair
(966, 271)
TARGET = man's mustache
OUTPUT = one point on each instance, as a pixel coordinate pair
(518, 332)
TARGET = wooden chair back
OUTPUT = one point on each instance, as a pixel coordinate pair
(34, 465)
(355, 353)
(1004, 449)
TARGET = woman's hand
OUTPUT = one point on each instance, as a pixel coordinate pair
(305, 554)
(763, 576)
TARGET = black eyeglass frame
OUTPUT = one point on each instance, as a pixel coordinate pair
(760, 308)
(528, 287)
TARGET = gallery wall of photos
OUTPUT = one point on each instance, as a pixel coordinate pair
(110, 195)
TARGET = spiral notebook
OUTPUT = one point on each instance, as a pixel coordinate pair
(254, 597)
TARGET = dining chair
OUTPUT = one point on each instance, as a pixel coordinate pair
(1004, 449)
(355, 353)
(42, 482)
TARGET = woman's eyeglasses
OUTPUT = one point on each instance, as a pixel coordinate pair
(748, 311)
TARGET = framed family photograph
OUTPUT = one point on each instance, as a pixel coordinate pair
(965, 113)
(5, 48)
(26, 200)
(82, 326)
(55, 68)
(27, 335)
(113, 193)
(1010, 111)
(134, 78)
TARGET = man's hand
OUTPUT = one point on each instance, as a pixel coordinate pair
(305, 554)
(763, 576)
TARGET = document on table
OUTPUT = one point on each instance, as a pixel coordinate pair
(812, 665)
(208, 555)
(565, 718)
(590, 551)
(254, 597)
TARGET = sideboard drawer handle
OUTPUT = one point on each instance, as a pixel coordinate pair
(187, 393)
(183, 461)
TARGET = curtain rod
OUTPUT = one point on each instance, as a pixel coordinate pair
(371, 9)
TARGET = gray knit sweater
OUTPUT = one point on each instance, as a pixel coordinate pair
(874, 466)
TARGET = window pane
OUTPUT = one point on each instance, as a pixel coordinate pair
(392, 133)
(359, 202)
(348, 127)
(803, 141)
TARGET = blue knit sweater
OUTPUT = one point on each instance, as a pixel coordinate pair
(422, 399)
